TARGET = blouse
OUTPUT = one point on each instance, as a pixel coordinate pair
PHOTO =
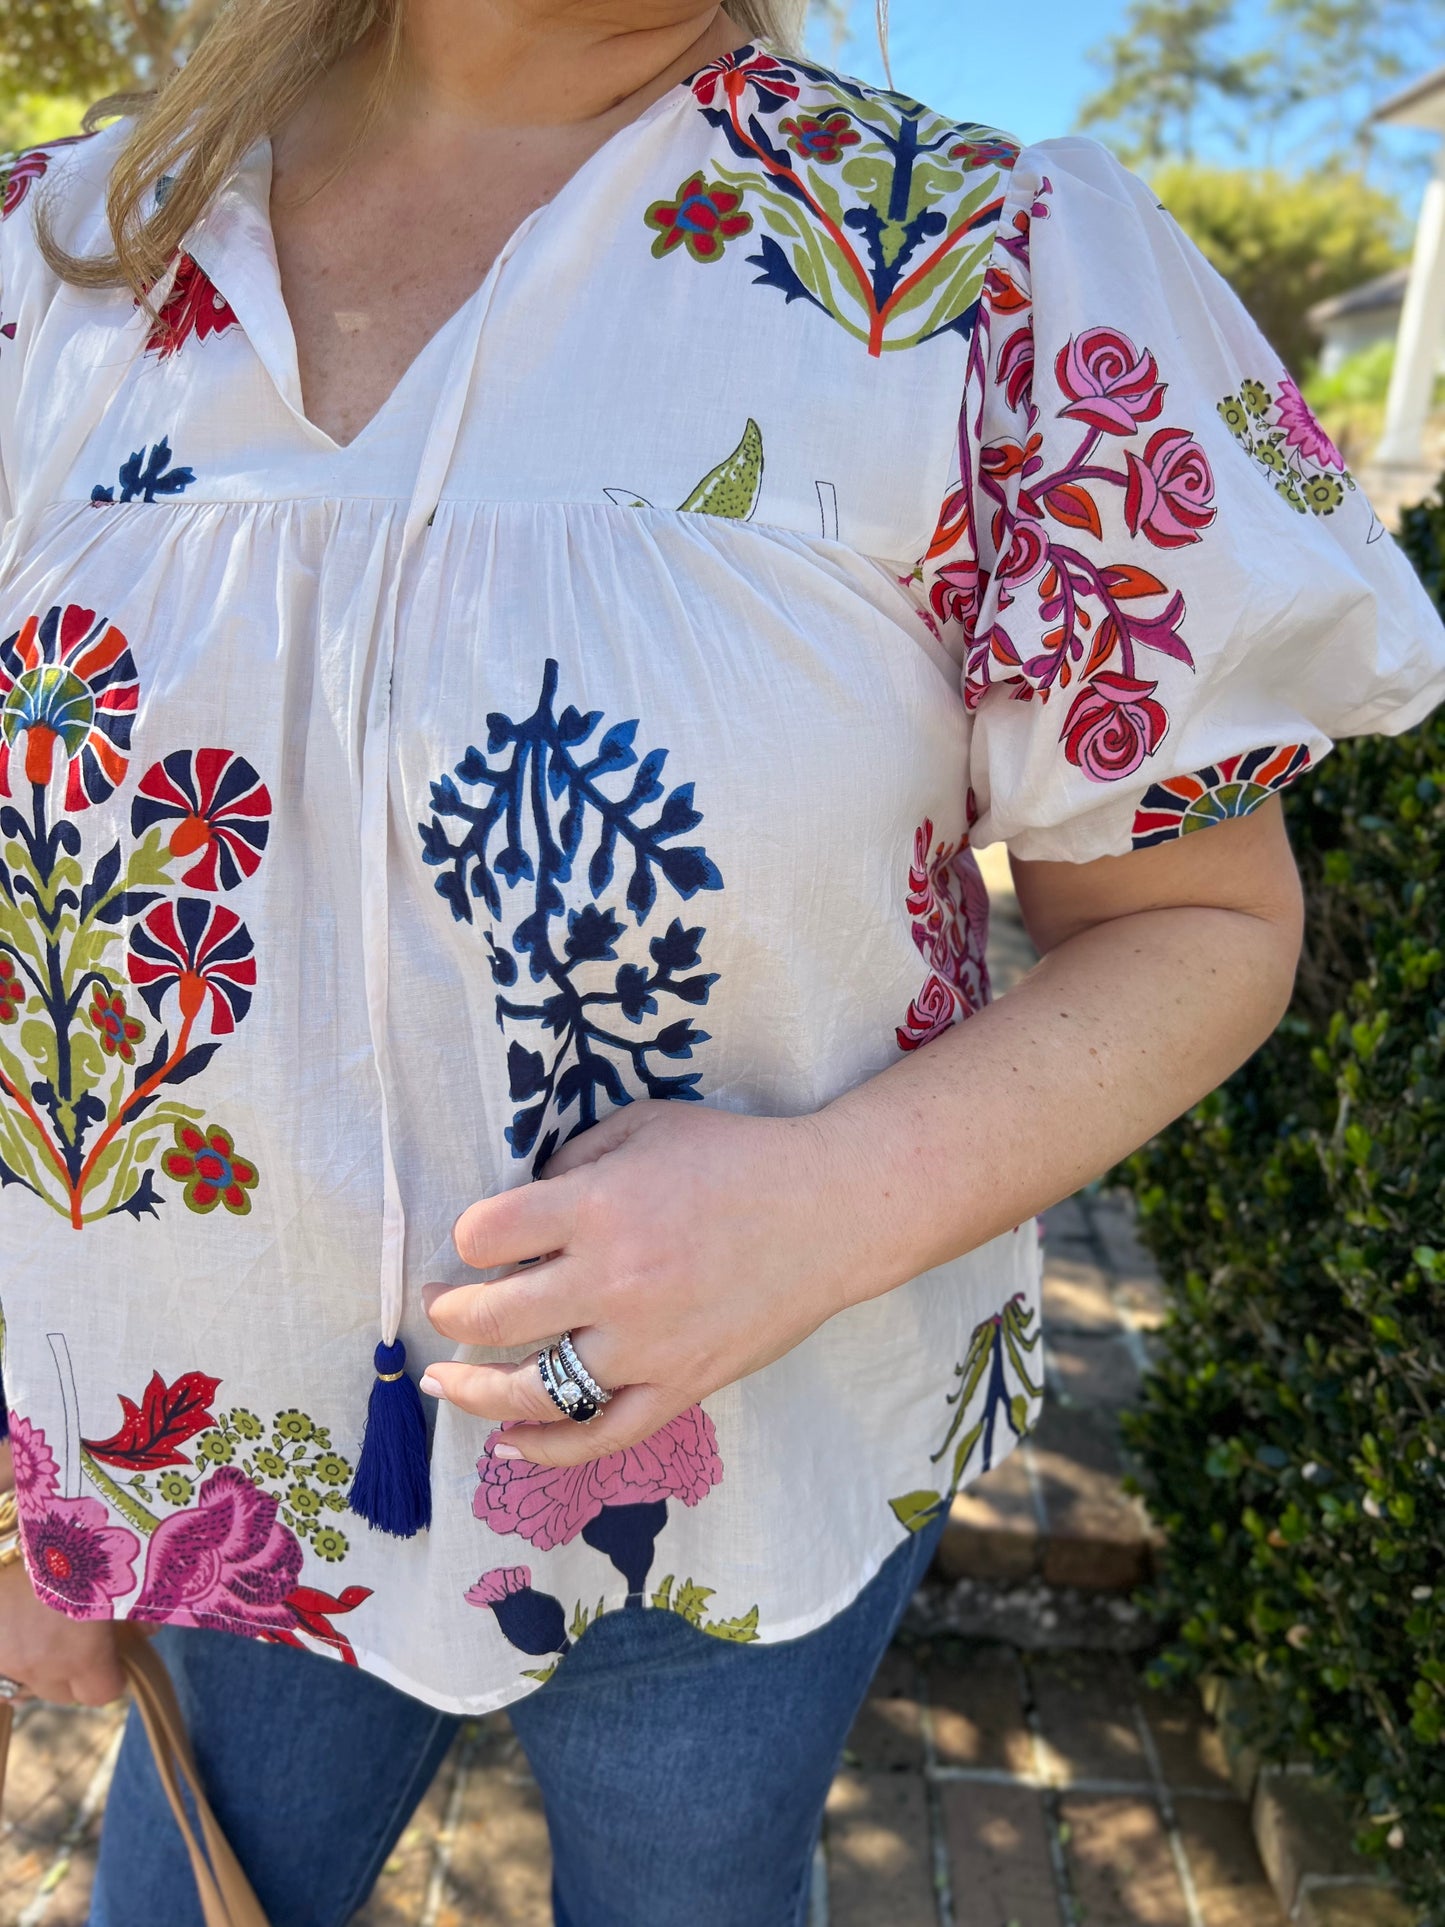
(815, 491)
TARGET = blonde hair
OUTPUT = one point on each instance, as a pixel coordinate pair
(249, 72)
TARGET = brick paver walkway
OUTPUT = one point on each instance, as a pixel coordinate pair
(981, 1788)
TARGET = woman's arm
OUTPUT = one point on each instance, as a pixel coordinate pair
(689, 1247)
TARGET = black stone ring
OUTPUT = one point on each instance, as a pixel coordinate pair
(569, 1398)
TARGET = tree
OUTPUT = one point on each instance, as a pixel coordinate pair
(92, 47)
(1161, 72)
(1284, 243)
(1295, 80)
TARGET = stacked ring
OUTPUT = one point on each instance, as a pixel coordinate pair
(569, 1397)
(578, 1372)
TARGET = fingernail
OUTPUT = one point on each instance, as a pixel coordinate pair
(508, 1452)
(430, 1386)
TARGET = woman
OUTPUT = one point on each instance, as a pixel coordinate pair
(540, 538)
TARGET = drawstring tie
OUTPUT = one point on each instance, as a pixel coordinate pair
(392, 1486)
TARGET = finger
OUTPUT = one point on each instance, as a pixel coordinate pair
(526, 1309)
(516, 1225)
(588, 1146)
(628, 1418)
(502, 1392)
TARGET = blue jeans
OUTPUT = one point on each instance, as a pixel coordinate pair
(683, 1776)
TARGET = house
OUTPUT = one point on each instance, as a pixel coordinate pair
(1364, 317)
(1422, 316)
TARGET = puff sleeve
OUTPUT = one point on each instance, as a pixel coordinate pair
(1167, 594)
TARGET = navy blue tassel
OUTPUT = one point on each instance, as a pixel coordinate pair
(392, 1487)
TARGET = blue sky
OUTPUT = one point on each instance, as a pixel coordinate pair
(974, 59)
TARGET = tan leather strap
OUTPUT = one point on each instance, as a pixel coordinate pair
(227, 1899)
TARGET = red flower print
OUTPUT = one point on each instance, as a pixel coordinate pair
(1111, 385)
(948, 905)
(68, 691)
(18, 177)
(220, 808)
(194, 306)
(12, 993)
(822, 140)
(1302, 430)
(119, 1034)
(1169, 494)
(1027, 553)
(204, 949)
(32, 1461)
(1113, 725)
(314, 1611)
(958, 591)
(79, 1563)
(205, 1161)
(225, 1562)
(549, 1505)
(730, 75)
(991, 150)
(151, 1434)
(703, 217)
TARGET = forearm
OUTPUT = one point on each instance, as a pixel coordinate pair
(1113, 1034)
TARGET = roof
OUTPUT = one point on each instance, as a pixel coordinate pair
(1386, 291)
(1421, 104)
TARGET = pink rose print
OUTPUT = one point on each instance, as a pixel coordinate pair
(499, 1584)
(1169, 494)
(1301, 430)
(1111, 385)
(1113, 725)
(948, 905)
(549, 1505)
(224, 1562)
(36, 1473)
(78, 1561)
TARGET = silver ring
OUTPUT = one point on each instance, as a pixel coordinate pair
(578, 1372)
(12, 1689)
(569, 1397)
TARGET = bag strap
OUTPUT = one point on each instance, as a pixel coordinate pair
(227, 1897)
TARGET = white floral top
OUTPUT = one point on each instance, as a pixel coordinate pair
(814, 488)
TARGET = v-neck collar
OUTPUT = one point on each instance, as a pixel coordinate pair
(234, 245)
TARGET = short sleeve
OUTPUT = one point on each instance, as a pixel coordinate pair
(1167, 593)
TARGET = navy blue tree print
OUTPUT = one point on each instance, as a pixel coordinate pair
(145, 476)
(544, 800)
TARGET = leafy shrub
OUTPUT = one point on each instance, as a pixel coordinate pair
(1284, 241)
(1292, 1432)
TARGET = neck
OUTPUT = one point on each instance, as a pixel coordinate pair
(527, 63)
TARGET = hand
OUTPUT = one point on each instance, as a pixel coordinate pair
(684, 1249)
(70, 1661)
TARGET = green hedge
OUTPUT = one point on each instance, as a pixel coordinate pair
(1292, 1434)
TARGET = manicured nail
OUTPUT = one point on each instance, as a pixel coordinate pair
(430, 1386)
(508, 1452)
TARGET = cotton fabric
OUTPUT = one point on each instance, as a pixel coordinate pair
(814, 492)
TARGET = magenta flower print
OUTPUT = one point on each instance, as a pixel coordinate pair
(702, 217)
(1113, 725)
(549, 1505)
(202, 948)
(33, 1462)
(499, 1584)
(78, 1562)
(220, 811)
(948, 912)
(225, 1562)
(1302, 430)
(1110, 384)
(1169, 495)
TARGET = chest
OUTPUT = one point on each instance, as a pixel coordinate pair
(374, 261)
